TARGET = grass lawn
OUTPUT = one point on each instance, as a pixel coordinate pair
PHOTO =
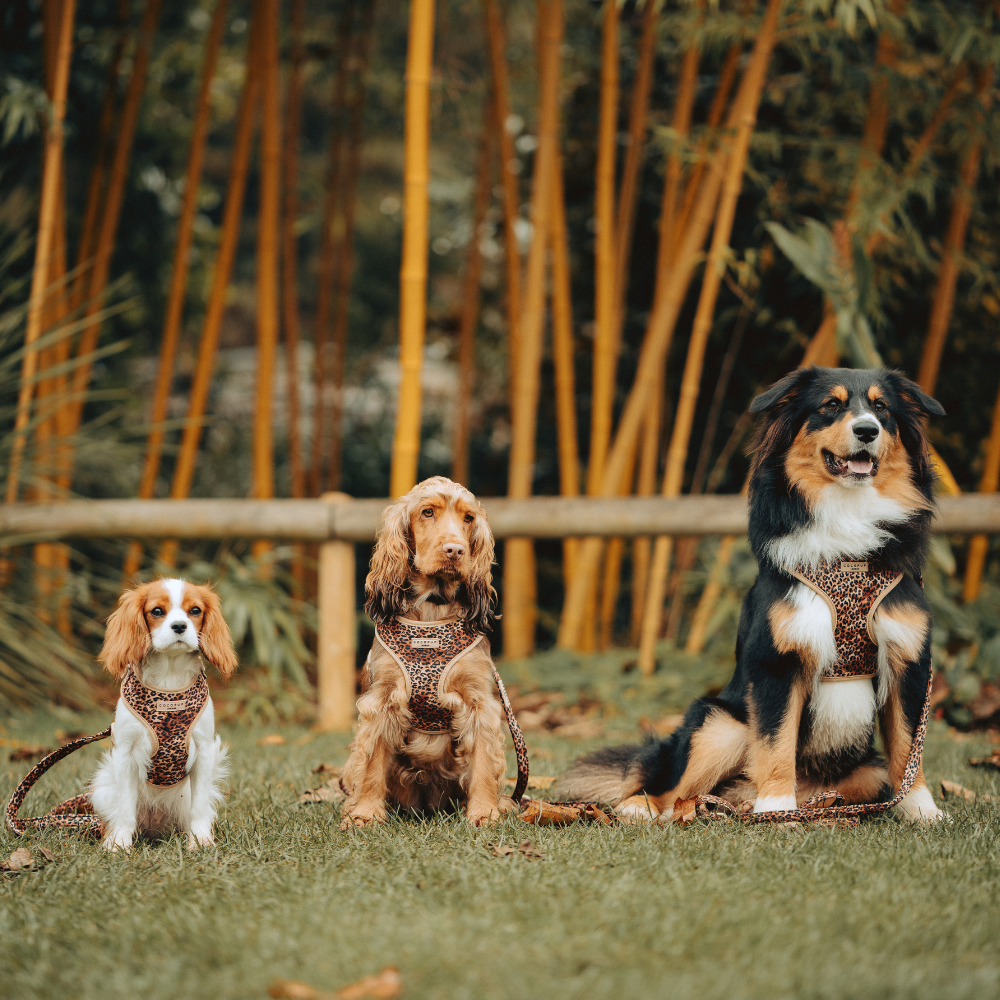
(885, 910)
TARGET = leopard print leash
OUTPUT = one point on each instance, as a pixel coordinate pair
(75, 815)
(520, 748)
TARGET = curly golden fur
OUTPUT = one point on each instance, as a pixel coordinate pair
(432, 562)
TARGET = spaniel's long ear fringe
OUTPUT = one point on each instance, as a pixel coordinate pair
(214, 640)
(481, 595)
(912, 427)
(782, 391)
(388, 578)
(126, 638)
(778, 429)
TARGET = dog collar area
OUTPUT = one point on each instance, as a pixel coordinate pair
(852, 589)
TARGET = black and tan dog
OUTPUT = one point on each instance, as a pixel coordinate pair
(841, 472)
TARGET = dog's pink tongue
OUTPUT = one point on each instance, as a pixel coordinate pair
(860, 466)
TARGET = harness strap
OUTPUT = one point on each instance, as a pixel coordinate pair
(520, 748)
(75, 814)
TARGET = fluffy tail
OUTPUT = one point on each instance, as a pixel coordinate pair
(607, 775)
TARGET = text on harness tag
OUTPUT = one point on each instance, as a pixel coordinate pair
(171, 706)
(425, 642)
(854, 567)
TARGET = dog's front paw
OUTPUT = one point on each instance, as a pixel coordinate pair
(482, 815)
(360, 817)
(918, 807)
(508, 805)
(637, 809)
(118, 841)
(200, 838)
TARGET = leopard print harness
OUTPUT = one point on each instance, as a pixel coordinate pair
(169, 716)
(424, 652)
(852, 590)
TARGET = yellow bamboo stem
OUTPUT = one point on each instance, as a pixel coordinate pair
(683, 419)
(954, 243)
(47, 217)
(329, 248)
(345, 228)
(990, 481)
(496, 44)
(602, 392)
(470, 303)
(562, 358)
(413, 274)
(289, 250)
(519, 577)
(215, 309)
(268, 242)
(178, 281)
(112, 205)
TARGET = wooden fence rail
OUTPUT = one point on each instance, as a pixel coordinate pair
(336, 522)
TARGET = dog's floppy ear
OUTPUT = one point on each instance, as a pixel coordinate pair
(388, 578)
(214, 640)
(126, 638)
(914, 394)
(782, 390)
(481, 594)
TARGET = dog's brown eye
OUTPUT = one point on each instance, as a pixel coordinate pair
(194, 612)
(469, 519)
(428, 512)
(157, 612)
(831, 404)
(878, 406)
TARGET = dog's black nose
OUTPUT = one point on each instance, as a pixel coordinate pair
(179, 627)
(866, 432)
(453, 550)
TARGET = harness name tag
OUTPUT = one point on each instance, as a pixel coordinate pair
(854, 567)
(172, 706)
(425, 642)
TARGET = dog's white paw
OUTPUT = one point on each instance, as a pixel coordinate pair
(774, 803)
(918, 807)
(637, 809)
(200, 838)
(120, 841)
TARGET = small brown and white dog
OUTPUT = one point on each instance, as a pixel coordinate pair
(431, 564)
(155, 644)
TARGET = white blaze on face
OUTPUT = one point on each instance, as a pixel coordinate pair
(169, 633)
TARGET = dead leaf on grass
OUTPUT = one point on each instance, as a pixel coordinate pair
(960, 791)
(992, 761)
(19, 860)
(331, 769)
(325, 793)
(292, 989)
(272, 740)
(528, 850)
(47, 854)
(386, 985)
(542, 813)
(685, 811)
(29, 753)
(502, 850)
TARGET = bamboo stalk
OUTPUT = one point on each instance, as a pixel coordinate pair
(496, 45)
(954, 244)
(329, 249)
(47, 213)
(519, 577)
(289, 250)
(345, 269)
(672, 285)
(112, 206)
(562, 357)
(635, 154)
(413, 274)
(215, 309)
(714, 266)
(603, 383)
(990, 481)
(470, 303)
(178, 281)
(268, 243)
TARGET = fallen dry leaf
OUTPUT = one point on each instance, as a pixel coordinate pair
(543, 813)
(331, 769)
(960, 791)
(386, 985)
(272, 740)
(292, 989)
(502, 850)
(29, 753)
(986, 702)
(685, 811)
(19, 860)
(992, 761)
(528, 850)
(325, 793)
(47, 854)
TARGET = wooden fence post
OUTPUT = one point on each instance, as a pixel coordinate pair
(337, 639)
